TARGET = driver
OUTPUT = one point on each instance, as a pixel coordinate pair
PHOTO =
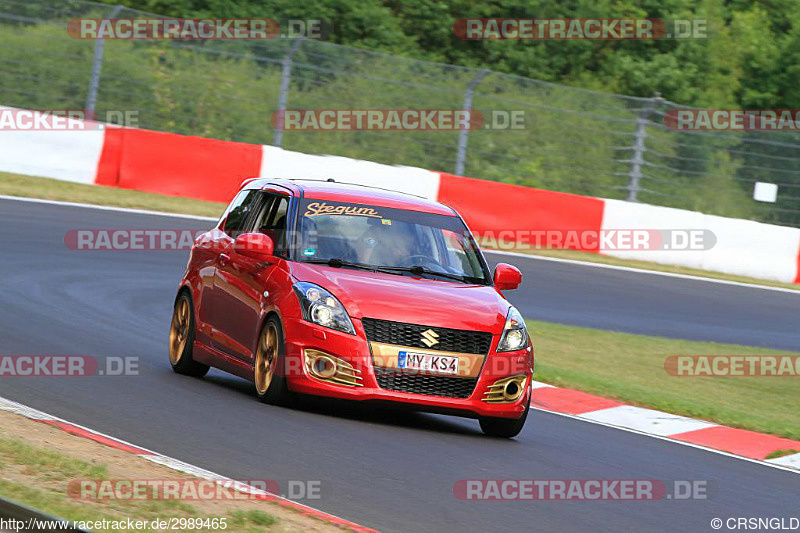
(390, 245)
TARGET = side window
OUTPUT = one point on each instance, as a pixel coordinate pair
(272, 220)
(240, 210)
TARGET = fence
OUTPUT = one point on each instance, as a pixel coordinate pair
(573, 140)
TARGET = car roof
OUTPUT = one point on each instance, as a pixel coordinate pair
(333, 191)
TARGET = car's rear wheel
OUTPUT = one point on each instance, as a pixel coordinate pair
(504, 427)
(268, 371)
(181, 339)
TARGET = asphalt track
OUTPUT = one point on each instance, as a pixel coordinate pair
(391, 470)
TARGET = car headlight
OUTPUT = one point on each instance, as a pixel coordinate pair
(321, 307)
(515, 335)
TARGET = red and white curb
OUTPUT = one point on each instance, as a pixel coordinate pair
(741, 443)
(174, 464)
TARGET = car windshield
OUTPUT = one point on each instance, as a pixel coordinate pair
(392, 240)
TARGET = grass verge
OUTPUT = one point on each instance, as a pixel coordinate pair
(782, 453)
(65, 191)
(37, 463)
(630, 368)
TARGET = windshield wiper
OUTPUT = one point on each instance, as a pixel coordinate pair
(417, 269)
(338, 263)
(420, 270)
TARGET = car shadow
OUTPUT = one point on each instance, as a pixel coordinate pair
(360, 411)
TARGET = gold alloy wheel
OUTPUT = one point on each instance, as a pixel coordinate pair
(266, 358)
(179, 331)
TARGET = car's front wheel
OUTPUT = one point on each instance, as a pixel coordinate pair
(181, 339)
(504, 427)
(268, 372)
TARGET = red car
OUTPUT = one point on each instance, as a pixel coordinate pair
(353, 292)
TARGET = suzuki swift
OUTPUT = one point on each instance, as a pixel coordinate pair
(353, 292)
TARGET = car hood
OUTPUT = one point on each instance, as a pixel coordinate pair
(410, 299)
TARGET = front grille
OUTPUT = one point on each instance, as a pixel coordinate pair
(450, 340)
(449, 387)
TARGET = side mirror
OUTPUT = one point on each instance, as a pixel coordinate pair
(255, 246)
(506, 277)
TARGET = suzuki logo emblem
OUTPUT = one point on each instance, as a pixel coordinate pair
(429, 338)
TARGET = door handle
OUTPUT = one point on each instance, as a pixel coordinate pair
(224, 258)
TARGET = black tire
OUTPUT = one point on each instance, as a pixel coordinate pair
(180, 348)
(505, 427)
(277, 390)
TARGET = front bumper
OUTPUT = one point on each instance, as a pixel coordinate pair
(354, 349)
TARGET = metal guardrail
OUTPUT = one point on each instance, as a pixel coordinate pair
(32, 519)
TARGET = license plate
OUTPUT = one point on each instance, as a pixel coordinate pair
(444, 364)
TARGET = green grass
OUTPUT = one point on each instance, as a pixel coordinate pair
(630, 368)
(47, 463)
(51, 502)
(47, 474)
(258, 518)
(782, 453)
(49, 189)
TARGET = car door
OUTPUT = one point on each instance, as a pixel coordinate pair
(206, 251)
(215, 306)
(242, 284)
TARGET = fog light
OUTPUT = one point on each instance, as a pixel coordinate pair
(324, 367)
(330, 369)
(512, 391)
(506, 390)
